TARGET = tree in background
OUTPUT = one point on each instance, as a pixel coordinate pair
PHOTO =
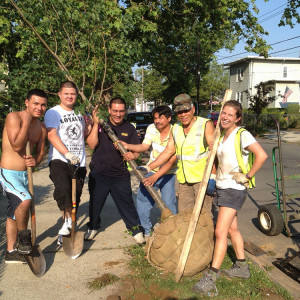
(261, 99)
(95, 43)
(154, 85)
(213, 83)
(83, 41)
(188, 33)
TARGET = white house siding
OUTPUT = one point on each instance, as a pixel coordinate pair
(258, 69)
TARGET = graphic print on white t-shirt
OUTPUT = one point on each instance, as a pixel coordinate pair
(70, 129)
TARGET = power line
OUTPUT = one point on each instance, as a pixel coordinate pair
(270, 45)
(272, 16)
(272, 10)
(285, 50)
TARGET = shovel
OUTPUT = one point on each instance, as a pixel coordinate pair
(35, 259)
(73, 244)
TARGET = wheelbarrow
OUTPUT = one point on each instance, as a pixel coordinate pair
(272, 219)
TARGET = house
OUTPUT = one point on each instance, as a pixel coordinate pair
(283, 73)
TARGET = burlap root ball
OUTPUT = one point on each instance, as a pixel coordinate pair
(165, 246)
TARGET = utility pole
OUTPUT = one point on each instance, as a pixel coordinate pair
(142, 92)
(198, 76)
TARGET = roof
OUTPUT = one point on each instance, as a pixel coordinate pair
(253, 58)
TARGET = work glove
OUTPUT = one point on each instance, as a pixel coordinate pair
(240, 177)
(145, 169)
(72, 158)
(211, 187)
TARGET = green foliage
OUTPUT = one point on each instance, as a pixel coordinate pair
(261, 99)
(188, 33)
(154, 86)
(88, 39)
(293, 108)
(214, 82)
(291, 14)
(96, 43)
(293, 121)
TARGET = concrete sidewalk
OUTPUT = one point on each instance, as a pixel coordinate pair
(287, 136)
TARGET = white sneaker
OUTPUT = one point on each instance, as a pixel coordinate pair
(90, 234)
(60, 240)
(139, 238)
(147, 237)
(65, 230)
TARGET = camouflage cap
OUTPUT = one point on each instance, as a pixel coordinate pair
(182, 102)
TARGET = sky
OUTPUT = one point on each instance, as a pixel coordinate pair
(269, 17)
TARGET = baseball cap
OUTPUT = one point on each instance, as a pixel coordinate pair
(182, 102)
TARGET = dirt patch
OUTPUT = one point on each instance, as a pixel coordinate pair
(113, 263)
(134, 289)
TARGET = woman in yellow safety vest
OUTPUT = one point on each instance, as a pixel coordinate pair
(233, 177)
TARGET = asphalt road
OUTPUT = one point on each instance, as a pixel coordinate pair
(280, 246)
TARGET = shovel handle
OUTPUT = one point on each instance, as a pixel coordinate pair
(73, 208)
(30, 188)
(160, 203)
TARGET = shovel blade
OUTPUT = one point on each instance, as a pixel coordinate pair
(36, 261)
(73, 246)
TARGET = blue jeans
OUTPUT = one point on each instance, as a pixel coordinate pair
(144, 202)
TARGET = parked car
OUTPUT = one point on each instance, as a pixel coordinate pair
(140, 120)
(213, 116)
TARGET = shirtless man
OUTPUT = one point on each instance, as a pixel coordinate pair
(21, 126)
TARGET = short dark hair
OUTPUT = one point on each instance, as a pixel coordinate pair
(36, 92)
(238, 109)
(68, 84)
(117, 100)
(162, 110)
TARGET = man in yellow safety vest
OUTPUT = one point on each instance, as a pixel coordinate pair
(190, 139)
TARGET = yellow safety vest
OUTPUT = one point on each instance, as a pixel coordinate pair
(190, 151)
(238, 151)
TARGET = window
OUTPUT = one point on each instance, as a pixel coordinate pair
(239, 97)
(239, 74)
(284, 72)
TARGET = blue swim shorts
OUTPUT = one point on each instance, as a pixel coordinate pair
(15, 186)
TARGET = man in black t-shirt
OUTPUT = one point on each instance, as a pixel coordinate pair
(109, 172)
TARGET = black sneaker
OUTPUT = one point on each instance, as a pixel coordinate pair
(23, 242)
(14, 257)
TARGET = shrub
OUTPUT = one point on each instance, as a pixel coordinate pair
(293, 108)
(294, 121)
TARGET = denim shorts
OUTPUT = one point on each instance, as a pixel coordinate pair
(231, 198)
(15, 186)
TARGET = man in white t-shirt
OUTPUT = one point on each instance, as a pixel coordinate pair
(66, 133)
(163, 177)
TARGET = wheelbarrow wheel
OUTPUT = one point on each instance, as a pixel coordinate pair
(270, 220)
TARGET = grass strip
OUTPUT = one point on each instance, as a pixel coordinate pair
(152, 283)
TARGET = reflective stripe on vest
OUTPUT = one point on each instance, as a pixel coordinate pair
(190, 151)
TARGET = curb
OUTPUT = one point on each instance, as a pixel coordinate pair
(275, 274)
